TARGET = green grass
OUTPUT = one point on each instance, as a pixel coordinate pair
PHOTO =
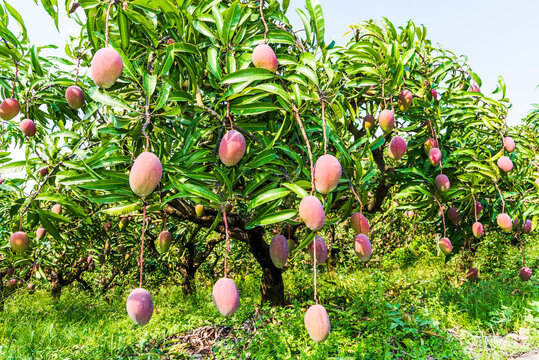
(380, 312)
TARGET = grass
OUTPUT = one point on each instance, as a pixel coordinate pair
(385, 311)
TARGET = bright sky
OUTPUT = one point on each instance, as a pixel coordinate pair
(499, 37)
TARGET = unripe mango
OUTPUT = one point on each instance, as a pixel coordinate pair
(9, 108)
(199, 210)
(31, 288)
(386, 119)
(477, 229)
(429, 144)
(359, 223)
(405, 100)
(139, 305)
(509, 144)
(435, 156)
(40, 233)
(321, 249)
(74, 97)
(317, 323)
(232, 148)
(28, 127)
(525, 274)
(327, 173)
(108, 226)
(44, 172)
(226, 296)
(362, 247)
(165, 239)
(445, 245)
(504, 222)
(264, 57)
(505, 164)
(442, 183)
(453, 215)
(409, 214)
(472, 274)
(19, 242)
(312, 213)
(434, 94)
(397, 148)
(106, 67)
(369, 122)
(145, 174)
(278, 250)
(123, 223)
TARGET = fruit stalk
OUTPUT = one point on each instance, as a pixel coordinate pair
(142, 241)
(441, 211)
(261, 4)
(15, 79)
(107, 23)
(300, 124)
(227, 239)
(323, 100)
(501, 196)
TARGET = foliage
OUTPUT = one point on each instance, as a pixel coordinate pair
(187, 75)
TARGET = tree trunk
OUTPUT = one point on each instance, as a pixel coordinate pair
(56, 289)
(271, 282)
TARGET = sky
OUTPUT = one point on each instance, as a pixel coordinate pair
(499, 37)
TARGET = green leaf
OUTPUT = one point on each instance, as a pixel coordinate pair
(268, 196)
(150, 82)
(106, 99)
(231, 19)
(248, 75)
(122, 209)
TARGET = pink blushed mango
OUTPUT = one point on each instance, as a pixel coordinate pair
(312, 213)
(19, 242)
(327, 173)
(321, 249)
(362, 247)
(139, 306)
(445, 246)
(232, 148)
(226, 296)
(9, 108)
(397, 148)
(278, 250)
(28, 127)
(106, 67)
(317, 323)
(359, 223)
(145, 174)
(386, 119)
(74, 97)
(264, 57)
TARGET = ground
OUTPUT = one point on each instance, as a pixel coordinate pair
(424, 311)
